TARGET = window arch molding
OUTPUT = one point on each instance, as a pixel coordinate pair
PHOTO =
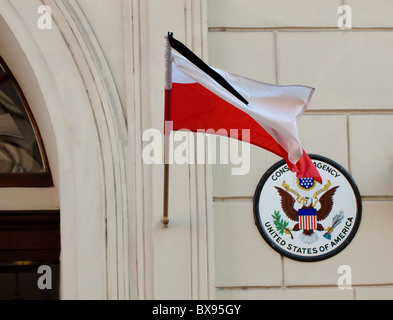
(82, 130)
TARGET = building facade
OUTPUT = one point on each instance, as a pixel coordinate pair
(92, 73)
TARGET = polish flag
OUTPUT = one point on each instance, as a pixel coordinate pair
(198, 97)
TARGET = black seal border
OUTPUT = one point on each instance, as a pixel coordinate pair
(292, 256)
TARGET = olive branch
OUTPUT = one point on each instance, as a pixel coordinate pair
(281, 224)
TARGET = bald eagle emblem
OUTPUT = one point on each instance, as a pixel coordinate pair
(313, 211)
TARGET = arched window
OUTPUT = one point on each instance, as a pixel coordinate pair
(23, 161)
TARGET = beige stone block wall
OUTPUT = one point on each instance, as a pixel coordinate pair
(272, 13)
(288, 294)
(371, 152)
(246, 259)
(244, 46)
(350, 70)
(349, 121)
(374, 14)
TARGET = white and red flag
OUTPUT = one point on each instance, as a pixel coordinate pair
(199, 97)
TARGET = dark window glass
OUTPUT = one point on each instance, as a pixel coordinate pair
(23, 161)
(2, 71)
(19, 150)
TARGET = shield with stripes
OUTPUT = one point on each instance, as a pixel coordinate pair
(308, 219)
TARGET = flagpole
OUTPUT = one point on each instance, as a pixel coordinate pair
(165, 217)
(167, 128)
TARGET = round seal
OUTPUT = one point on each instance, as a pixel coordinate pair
(303, 219)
